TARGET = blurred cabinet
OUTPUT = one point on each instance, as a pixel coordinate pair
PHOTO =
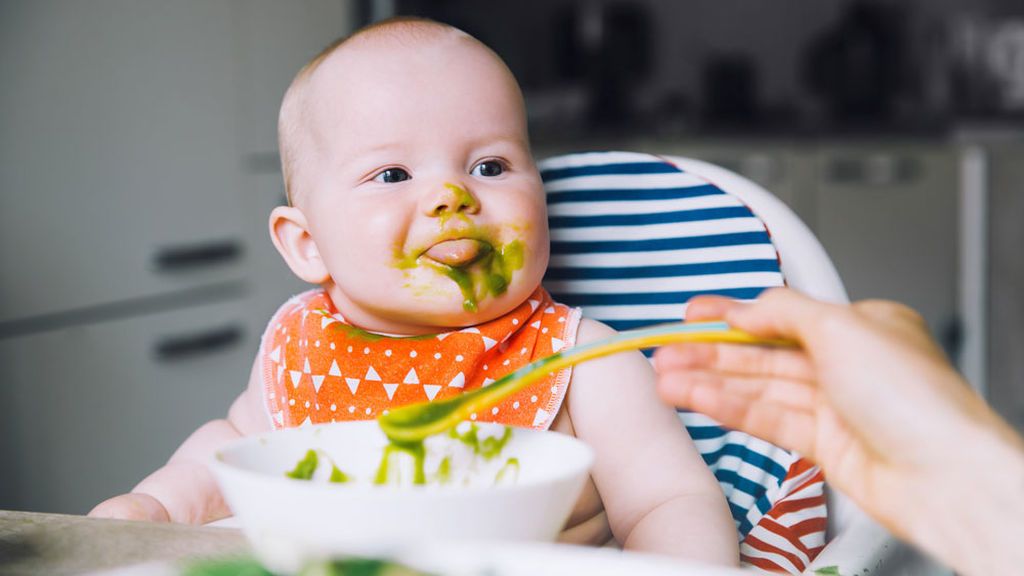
(91, 410)
(273, 40)
(119, 171)
(138, 165)
(1006, 280)
(886, 211)
(888, 216)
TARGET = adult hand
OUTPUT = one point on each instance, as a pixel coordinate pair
(871, 398)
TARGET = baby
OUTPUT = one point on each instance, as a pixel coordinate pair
(416, 207)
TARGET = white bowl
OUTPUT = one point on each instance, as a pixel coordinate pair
(290, 522)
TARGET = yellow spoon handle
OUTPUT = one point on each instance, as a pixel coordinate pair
(413, 423)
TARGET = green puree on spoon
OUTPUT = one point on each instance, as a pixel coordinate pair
(410, 425)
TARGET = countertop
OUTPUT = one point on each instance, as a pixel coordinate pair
(34, 543)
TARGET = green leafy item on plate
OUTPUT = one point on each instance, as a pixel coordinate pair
(349, 567)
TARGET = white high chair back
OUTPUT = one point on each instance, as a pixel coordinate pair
(856, 544)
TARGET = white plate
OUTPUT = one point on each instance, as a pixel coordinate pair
(514, 560)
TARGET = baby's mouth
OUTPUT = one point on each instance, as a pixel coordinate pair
(457, 253)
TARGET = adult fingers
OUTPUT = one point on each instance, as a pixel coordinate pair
(707, 307)
(785, 313)
(791, 393)
(736, 359)
(777, 414)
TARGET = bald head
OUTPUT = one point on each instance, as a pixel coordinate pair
(301, 125)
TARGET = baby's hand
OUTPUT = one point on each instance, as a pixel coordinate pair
(133, 506)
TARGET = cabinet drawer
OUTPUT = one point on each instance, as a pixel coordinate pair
(93, 409)
(887, 214)
(118, 166)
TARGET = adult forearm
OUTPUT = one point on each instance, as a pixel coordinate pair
(975, 512)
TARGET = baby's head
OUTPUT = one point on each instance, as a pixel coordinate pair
(414, 199)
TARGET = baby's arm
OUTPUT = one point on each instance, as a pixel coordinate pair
(658, 493)
(184, 490)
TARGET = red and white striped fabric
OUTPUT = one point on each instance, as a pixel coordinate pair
(792, 532)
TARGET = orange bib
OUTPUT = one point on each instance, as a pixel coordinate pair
(318, 368)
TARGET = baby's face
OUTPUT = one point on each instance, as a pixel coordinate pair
(424, 201)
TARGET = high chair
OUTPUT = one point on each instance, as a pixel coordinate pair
(633, 237)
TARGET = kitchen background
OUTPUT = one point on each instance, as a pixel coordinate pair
(138, 165)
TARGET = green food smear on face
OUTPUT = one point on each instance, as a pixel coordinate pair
(511, 466)
(462, 198)
(488, 275)
(305, 468)
(828, 571)
(465, 282)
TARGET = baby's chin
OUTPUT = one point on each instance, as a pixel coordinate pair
(444, 310)
(456, 312)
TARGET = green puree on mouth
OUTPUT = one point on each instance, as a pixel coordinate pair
(488, 275)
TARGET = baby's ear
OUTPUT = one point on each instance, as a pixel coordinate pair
(291, 237)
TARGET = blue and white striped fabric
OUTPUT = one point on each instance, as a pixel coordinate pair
(633, 238)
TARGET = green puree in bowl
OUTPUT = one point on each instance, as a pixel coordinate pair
(487, 448)
(307, 466)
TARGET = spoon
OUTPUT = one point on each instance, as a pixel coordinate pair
(412, 424)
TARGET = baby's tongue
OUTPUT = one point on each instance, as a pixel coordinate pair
(456, 252)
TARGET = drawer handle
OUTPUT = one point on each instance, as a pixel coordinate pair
(174, 348)
(177, 258)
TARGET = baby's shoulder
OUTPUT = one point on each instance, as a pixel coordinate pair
(608, 367)
(591, 330)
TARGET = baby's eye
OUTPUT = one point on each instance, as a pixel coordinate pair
(392, 176)
(488, 169)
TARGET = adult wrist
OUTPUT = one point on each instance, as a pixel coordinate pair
(973, 511)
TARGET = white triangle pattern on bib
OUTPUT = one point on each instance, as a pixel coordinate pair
(431, 391)
(411, 377)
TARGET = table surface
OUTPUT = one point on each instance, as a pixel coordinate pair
(34, 543)
(55, 544)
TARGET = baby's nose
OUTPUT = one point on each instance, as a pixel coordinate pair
(452, 199)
